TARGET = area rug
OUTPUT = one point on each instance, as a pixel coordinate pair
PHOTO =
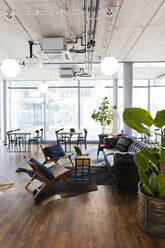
(4, 187)
(58, 190)
(96, 161)
(55, 192)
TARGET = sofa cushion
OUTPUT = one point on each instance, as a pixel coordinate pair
(123, 144)
(54, 151)
(110, 142)
(136, 146)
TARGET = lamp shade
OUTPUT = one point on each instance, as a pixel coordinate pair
(43, 88)
(109, 66)
(10, 67)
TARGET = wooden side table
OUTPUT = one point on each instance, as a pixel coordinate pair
(82, 160)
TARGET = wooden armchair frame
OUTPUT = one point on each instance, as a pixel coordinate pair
(49, 160)
(60, 172)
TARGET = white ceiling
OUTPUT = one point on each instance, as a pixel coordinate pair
(135, 32)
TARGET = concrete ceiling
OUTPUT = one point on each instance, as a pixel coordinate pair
(129, 30)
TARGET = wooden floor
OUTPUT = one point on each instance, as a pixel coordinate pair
(98, 219)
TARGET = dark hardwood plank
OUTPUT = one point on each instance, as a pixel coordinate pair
(103, 218)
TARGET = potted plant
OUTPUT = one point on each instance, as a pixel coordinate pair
(151, 168)
(104, 114)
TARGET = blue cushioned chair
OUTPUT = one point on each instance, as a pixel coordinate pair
(53, 152)
(47, 175)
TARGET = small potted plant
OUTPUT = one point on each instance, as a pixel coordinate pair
(151, 168)
(104, 114)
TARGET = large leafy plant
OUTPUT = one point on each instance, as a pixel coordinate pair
(104, 114)
(151, 160)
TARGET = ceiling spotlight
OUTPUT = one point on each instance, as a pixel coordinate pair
(109, 13)
(10, 15)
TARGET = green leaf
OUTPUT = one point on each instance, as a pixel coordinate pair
(161, 185)
(101, 114)
(140, 162)
(159, 120)
(162, 157)
(147, 190)
(153, 184)
(143, 177)
(138, 119)
(163, 137)
(148, 154)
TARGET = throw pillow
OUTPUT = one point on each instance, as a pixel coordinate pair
(43, 169)
(122, 144)
(54, 151)
(110, 142)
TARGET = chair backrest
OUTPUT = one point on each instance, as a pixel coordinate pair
(37, 132)
(41, 133)
(37, 171)
(47, 159)
(11, 136)
(85, 133)
(60, 137)
(57, 135)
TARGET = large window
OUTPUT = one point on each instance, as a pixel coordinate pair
(91, 93)
(61, 110)
(68, 104)
(25, 107)
(140, 94)
(157, 98)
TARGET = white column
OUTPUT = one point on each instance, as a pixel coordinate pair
(127, 91)
(4, 111)
(115, 91)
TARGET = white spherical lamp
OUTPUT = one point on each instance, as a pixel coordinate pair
(43, 88)
(10, 68)
(109, 66)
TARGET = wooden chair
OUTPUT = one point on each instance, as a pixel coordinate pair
(82, 139)
(59, 172)
(49, 160)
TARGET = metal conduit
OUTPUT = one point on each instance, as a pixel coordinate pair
(94, 32)
(89, 52)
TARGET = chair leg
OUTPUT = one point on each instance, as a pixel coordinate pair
(66, 182)
(39, 192)
(26, 187)
(98, 150)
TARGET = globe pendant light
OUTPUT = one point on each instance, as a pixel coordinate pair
(10, 67)
(43, 88)
(109, 66)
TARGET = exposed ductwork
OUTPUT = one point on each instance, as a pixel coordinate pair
(55, 48)
(53, 44)
(66, 73)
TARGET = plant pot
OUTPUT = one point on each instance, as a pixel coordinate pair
(151, 213)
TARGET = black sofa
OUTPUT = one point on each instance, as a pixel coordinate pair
(118, 155)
